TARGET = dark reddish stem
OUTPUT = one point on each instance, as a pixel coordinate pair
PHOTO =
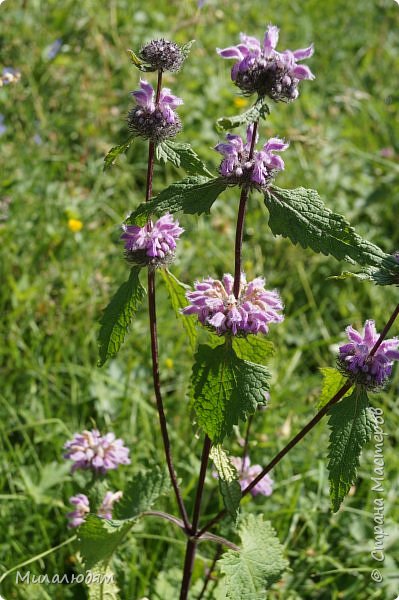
(283, 452)
(385, 331)
(240, 222)
(209, 574)
(295, 440)
(307, 427)
(191, 547)
(154, 342)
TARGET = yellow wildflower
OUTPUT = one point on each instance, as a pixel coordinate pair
(240, 102)
(75, 225)
(169, 363)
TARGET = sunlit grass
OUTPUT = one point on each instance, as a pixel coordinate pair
(61, 261)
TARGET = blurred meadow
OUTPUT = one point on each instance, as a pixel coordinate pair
(61, 261)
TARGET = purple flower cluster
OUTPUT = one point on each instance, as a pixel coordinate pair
(101, 453)
(261, 69)
(217, 307)
(81, 506)
(247, 473)
(81, 510)
(107, 505)
(355, 362)
(256, 171)
(156, 121)
(152, 244)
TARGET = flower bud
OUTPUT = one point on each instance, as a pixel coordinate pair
(162, 55)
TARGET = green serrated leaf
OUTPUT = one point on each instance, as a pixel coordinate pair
(256, 112)
(193, 195)
(99, 538)
(182, 155)
(301, 216)
(388, 274)
(259, 564)
(224, 389)
(141, 492)
(255, 348)
(113, 154)
(229, 484)
(366, 275)
(101, 582)
(352, 423)
(186, 48)
(177, 294)
(333, 381)
(140, 64)
(118, 316)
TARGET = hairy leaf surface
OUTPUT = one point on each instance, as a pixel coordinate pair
(352, 425)
(139, 63)
(256, 112)
(142, 492)
(229, 484)
(102, 584)
(255, 348)
(177, 294)
(301, 216)
(118, 316)
(333, 381)
(260, 563)
(113, 154)
(100, 538)
(225, 389)
(193, 195)
(182, 155)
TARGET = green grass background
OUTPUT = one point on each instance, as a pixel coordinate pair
(55, 282)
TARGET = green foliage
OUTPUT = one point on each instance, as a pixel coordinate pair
(256, 348)
(186, 48)
(259, 564)
(333, 381)
(40, 489)
(177, 294)
(229, 484)
(193, 195)
(352, 424)
(113, 154)
(56, 282)
(301, 215)
(118, 316)
(139, 63)
(182, 155)
(100, 538)
(167, 585)
(142, 492)
(259, 111)
(225, 388)
(103, 584)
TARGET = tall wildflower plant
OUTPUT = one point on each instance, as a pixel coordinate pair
(230, 379)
